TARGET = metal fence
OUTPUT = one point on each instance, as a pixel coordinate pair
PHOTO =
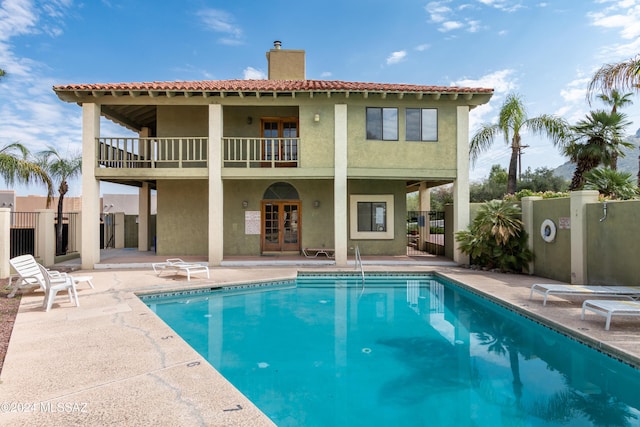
(23, 234)
(422, 240)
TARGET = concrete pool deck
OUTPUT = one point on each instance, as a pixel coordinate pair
(112, 361)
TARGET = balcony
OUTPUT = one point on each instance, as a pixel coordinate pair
(260, 152)
(192, 152)
(129, 153)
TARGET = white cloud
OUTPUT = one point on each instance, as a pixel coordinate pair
(623, 16)
(422, 47)
(220, 21)
(251, 73)
(450, 26)
(396, 57)
(437, 11)
(326, 74)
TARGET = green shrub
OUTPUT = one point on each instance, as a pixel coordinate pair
(496, 238)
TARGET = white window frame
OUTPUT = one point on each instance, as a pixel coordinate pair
(353, 216)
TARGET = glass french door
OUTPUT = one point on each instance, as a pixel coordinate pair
(280, 140)
(280, 226)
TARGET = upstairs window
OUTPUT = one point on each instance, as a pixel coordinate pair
(422, 124)
(382, 124)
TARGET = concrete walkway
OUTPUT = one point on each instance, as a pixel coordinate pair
(111, 361)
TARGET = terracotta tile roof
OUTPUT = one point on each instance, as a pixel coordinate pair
(267, 86)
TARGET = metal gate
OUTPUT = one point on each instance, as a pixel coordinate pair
(425, 233)
(108, 231)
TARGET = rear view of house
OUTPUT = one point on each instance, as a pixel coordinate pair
(251, 167)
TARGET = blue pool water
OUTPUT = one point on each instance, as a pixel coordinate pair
(400, 351)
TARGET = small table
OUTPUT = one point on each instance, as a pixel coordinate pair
(78, 279)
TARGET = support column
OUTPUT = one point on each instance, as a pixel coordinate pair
(46, 237)
(216, 189)
(424, 200)
(527, 221)
(118, 228)
(578, 210)
(144, 212)
(144, 206)
(5, 242)
(340, 196)
(461, 184)
(90, 221)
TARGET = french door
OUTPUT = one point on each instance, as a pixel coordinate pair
(280, 226)
(283, 148)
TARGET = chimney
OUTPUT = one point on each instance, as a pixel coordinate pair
(286, 64)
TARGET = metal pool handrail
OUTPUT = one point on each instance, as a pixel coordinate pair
(359, 262)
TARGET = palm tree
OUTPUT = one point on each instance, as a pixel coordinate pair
(512, 121)
(2, 72)
(60, 169)
(622, 76)
(594, 141)
(15, 167)
(615, 100)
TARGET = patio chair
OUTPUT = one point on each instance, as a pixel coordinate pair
(55, 281)
(31, 274)
(546, 289)
(179, 265)
(608, 308)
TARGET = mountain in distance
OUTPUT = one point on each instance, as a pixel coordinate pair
(628, 163)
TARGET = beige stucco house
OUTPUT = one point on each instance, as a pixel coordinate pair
(251, 167)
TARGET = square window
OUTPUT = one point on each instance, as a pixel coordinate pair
(382, 123)
(422, 124)
(371, 216)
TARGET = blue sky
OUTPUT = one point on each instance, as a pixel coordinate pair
(546, 51)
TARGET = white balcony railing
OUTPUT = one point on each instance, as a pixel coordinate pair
(192, 152)
(242, 152)
(180, 152)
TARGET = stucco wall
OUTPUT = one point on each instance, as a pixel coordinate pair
(552, 260)
(182, 220)
(316, 224)
(613, 244)
(398, 246)
(433, 159)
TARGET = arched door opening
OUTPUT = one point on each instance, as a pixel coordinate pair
(281, 219)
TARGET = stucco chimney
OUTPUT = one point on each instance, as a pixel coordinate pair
(286, 64)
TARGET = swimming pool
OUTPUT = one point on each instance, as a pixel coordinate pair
(401, 350)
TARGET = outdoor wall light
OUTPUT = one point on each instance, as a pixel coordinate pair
(316, 204)
(249, 120)
(316, 117)
(245, 204)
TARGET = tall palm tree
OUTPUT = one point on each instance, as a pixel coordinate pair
(616, 100)
(622, 76)
(15, 167)
(595, 140)
(512, 121)
(60, 169)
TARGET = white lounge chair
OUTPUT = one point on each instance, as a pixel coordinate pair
(546, 289)
(609, 308)
(53, 283)
(179, 265)
(31, 274)
(314, 252)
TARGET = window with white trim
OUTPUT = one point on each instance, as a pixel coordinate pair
(382, 123)
(371, 216)
(422, 124)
